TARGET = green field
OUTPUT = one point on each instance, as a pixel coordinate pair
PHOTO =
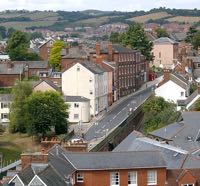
(153, 16)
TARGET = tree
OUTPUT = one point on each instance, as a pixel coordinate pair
(158, 113)
(136, 38)
(17, 47)
(114, 37)
(190, 34)
(196, 40)
(20, 93)
(55, 55)
(46, 110)
(160, 32)
(10, 32)
(2, 32)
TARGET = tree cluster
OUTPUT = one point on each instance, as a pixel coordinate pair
(135, 38)
(160, 32)
(55, 55)
(37, 113)
(193, 37)
(158, 113)
(17, 47)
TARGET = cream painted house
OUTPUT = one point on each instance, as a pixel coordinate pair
(165, 52)
(45, 85)
(5, 102)
(88, 80)
(173, 89)
(79, 109)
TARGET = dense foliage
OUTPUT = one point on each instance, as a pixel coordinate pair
(18, 119)
(55, 55)
(37, 113)
(17, 47)
(46, 110)
(160, 32)
(135, 38)
(158, 113)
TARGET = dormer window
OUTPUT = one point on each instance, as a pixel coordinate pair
(79, 177)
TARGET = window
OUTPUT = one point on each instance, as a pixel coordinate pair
(76, 105)
(4, 116)
(91, 92)
(78, 68)
(182, 93)
(132, 178)
(4, 105)
(159, 54)
(188, 184)
(114, 178)
(90, 80)
(76, 116)
(151, 177)
(79, 177)
(198, 65)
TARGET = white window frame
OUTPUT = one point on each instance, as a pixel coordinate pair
(151, 174)
(79, 177)
(76, 116)
(188, 184)
(133, 179)
(114, 179)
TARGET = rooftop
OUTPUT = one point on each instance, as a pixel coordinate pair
(75, 99)
(164, 40)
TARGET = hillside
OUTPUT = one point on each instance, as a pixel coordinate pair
(59, 20)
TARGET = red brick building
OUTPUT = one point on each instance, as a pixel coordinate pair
(10, 73)
(45, 49)
(131, 67)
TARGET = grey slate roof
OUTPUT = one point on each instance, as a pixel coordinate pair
(188, 100)
(75, 99)
(50, 83)
(115, 160)
(173, 156)
(164, 40)
(187, 135)
(5, 97)
(26, 175)
(93, 67)
(195, 59)
(179, 36)
(179, 80)
(33, 64)
(51, 178)
(76, 53)
(16, 69)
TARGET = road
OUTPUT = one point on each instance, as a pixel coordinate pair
(117, 115)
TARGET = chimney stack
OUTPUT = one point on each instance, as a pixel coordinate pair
(110, 51)
(166, 74)
(98, 48)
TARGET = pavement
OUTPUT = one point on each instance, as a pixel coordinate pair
(105, 122)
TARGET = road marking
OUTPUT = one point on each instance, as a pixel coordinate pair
(114, 116)
(124, 108)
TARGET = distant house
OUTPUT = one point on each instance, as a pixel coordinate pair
(174, 87)
(88, 80)
(45, 85)
(10, 73)
(73, 55)
(79, 109)
(5, 102)
(33, 67)
(45, 49)
(165, 52)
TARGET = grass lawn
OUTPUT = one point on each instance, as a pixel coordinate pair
(12, 145)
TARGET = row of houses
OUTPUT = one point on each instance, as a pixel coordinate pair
(167, 157)
(94, 79)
